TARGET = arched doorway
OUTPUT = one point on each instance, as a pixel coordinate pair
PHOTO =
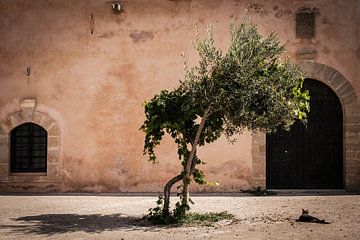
(309, 157)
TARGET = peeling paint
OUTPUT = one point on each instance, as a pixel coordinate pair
(283, 13)
(141, 36)
(257, 8)
(106, 35)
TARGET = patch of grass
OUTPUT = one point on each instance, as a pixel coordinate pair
(259, 192)
(202, 219)
(206, 218)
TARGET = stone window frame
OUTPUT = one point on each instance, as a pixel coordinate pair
(27, 115)
(351, 127)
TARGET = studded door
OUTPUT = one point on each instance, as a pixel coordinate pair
(309, 157)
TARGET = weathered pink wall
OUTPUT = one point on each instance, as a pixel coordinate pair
(93, 84)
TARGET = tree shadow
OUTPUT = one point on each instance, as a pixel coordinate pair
(50, 224)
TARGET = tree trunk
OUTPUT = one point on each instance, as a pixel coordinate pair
(192, 160)
(185, 192)
(167, 191)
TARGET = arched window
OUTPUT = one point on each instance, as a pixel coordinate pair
(28, 148)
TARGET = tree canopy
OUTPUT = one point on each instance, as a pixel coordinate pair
(251, 86)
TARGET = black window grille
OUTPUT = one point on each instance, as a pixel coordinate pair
(28, 148)
(305, 23)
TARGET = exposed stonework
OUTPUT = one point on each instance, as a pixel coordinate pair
(10, 181)
(306, 54)
(351, 112)
(258, 163)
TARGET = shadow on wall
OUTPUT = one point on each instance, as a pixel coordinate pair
(51, 224)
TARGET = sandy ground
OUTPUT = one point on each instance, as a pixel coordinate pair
(115, 217)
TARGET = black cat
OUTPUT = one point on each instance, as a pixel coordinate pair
(305, 217)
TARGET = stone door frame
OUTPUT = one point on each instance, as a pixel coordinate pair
(351, 127)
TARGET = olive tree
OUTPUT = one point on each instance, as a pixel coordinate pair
(251, 86)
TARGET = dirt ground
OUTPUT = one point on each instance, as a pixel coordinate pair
(116, 217)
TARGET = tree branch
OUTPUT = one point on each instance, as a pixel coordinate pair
(196, 140)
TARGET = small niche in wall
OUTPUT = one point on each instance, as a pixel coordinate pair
(305, 23)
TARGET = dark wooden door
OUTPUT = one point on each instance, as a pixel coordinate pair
(309, 157)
